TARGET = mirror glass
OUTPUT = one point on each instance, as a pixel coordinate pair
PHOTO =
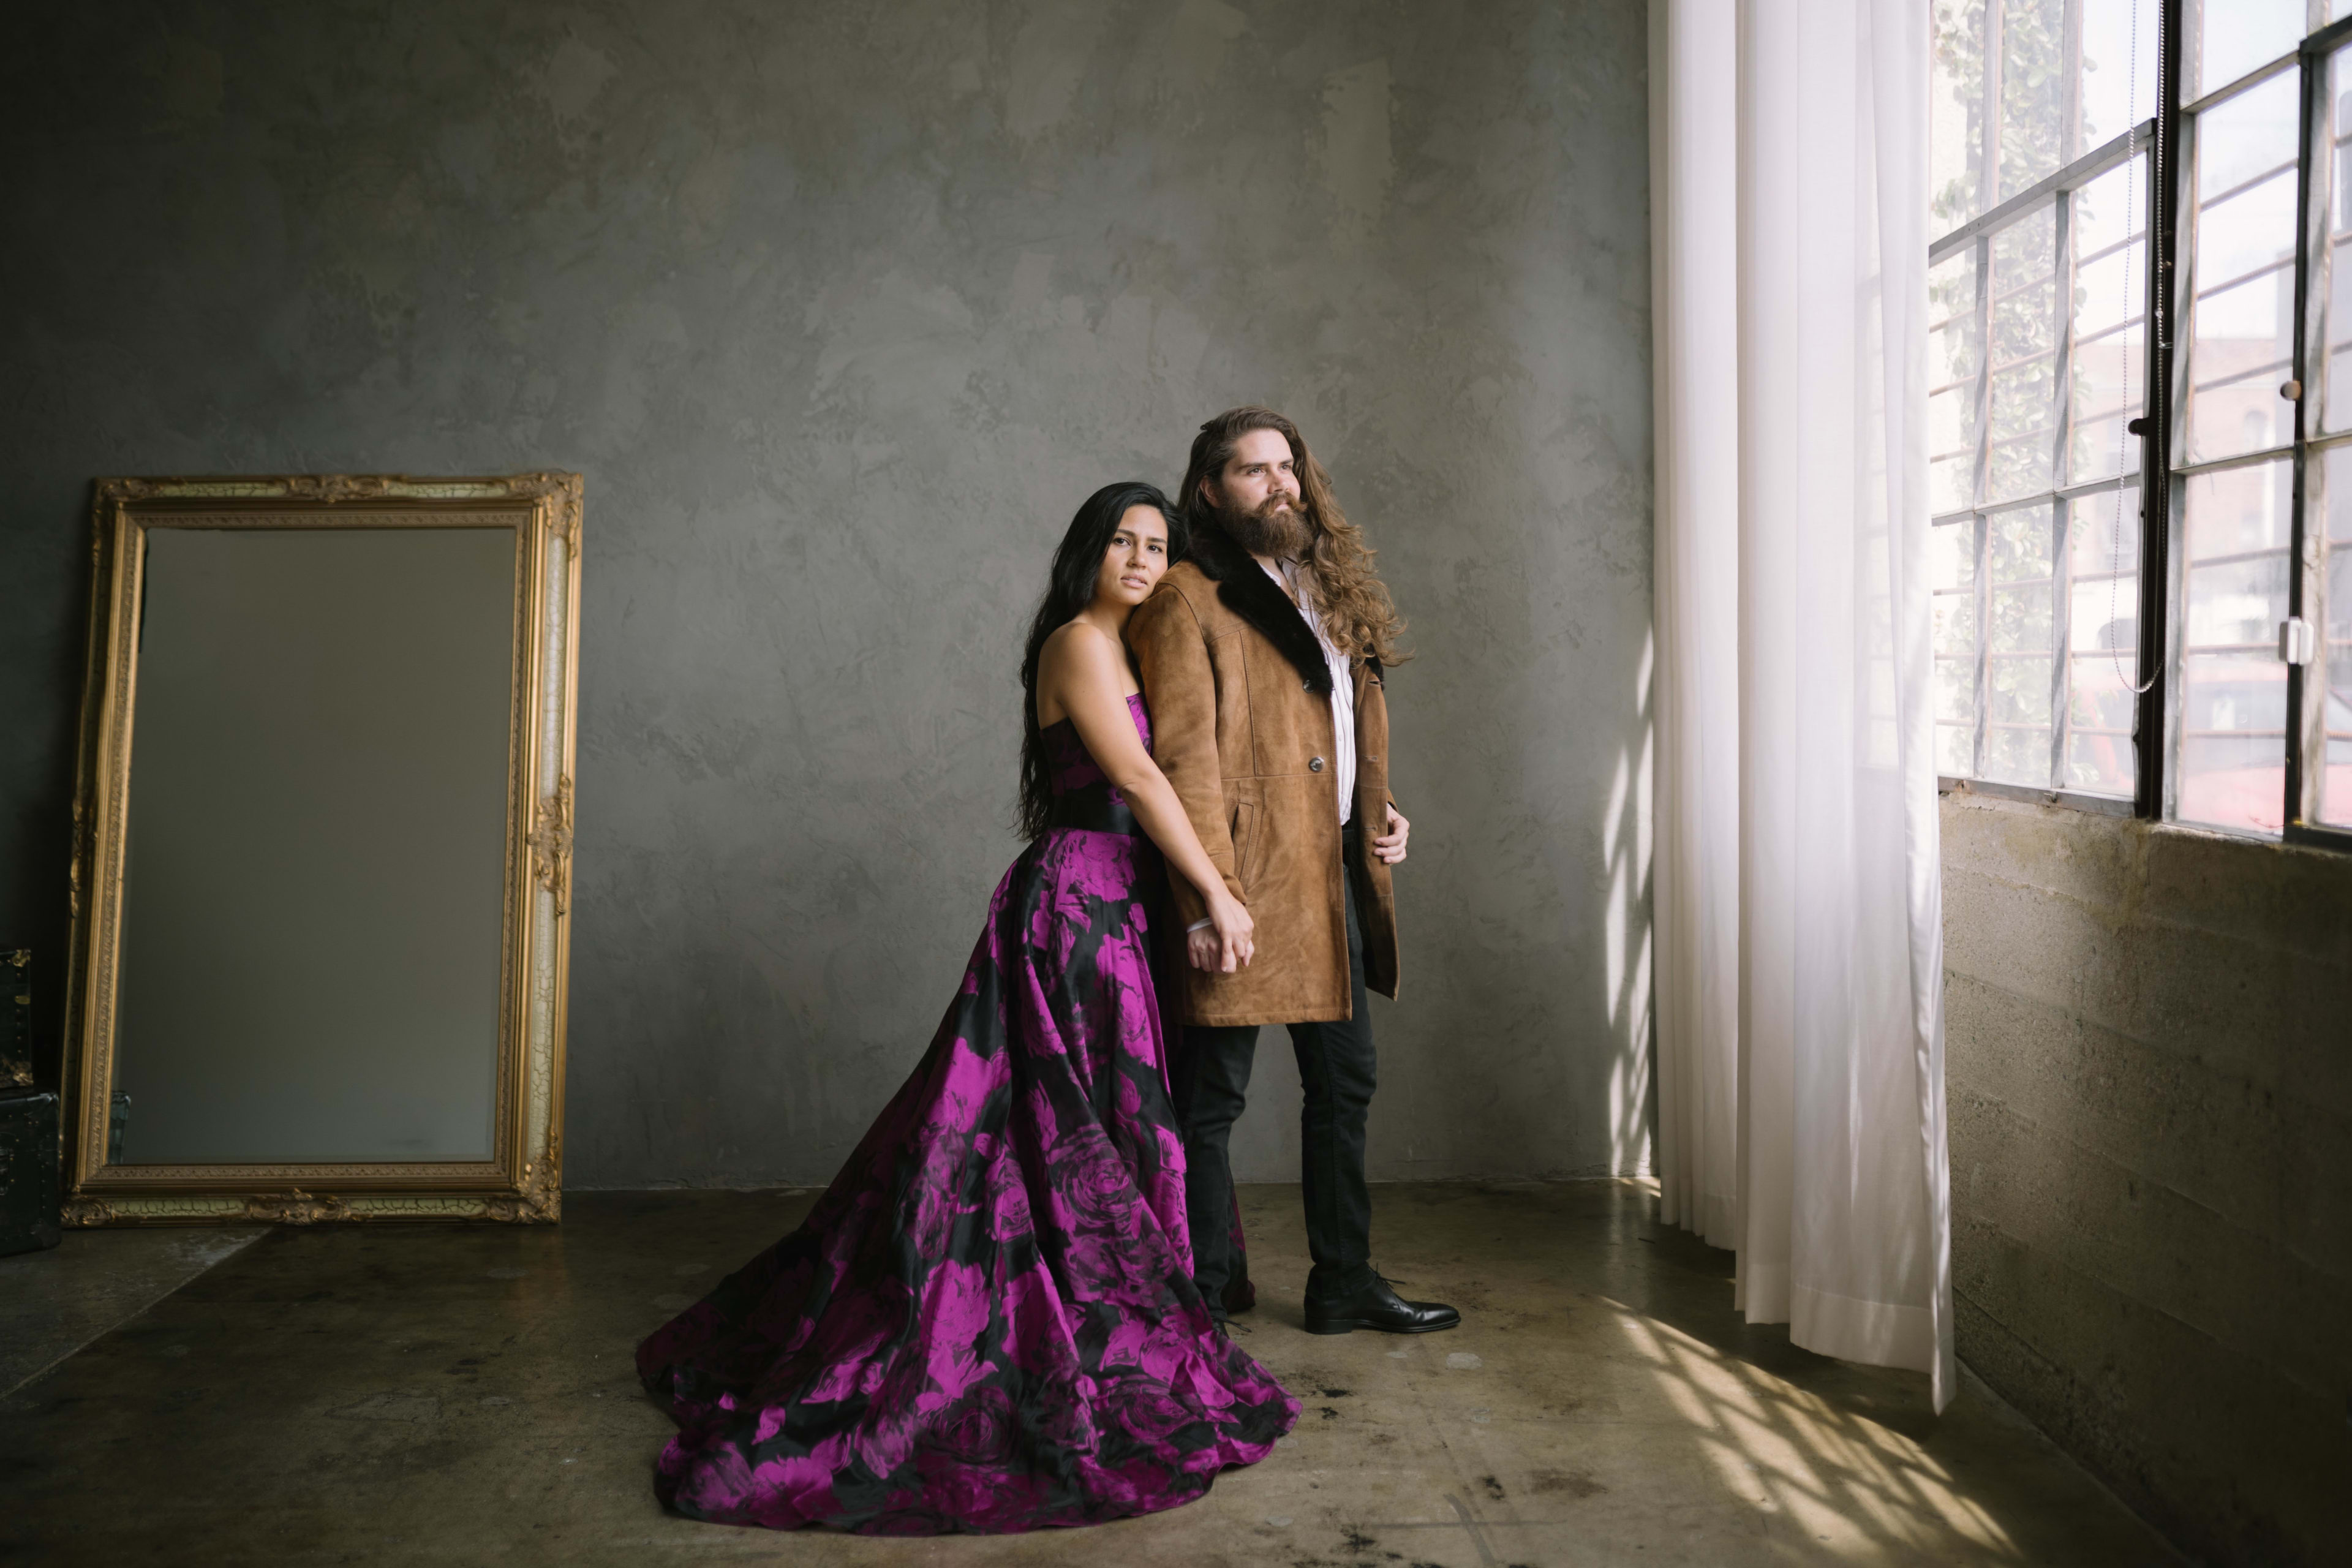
(312, 938)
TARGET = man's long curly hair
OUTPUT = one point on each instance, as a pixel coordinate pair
(1357, 610)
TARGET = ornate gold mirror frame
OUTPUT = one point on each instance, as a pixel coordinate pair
(522, 1179)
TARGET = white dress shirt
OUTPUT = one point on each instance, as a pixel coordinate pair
(1299, 584)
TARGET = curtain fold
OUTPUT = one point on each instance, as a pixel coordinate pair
(1694, 355)
(1800, 921)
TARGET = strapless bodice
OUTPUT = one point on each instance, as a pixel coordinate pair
(1070, 766)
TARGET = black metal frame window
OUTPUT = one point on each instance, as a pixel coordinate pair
(2039, 362)
(2258, 715)
(2191, 657)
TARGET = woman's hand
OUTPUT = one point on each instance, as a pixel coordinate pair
(1228, 941)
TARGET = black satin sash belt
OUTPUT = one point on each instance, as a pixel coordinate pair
(1090, 808)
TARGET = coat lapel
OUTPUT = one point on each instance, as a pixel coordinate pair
(1244, 588)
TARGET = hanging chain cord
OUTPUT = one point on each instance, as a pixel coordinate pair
(2123, 429)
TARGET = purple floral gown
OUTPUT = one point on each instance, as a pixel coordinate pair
(988, 1322)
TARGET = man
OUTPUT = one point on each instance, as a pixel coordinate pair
(1261, 654)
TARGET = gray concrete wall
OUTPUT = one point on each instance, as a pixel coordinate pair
(841, 309)
(2149, 1069)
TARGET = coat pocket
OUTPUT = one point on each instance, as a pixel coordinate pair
(1244, 827)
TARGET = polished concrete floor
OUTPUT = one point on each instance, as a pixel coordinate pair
(53, 1303)
(413, 1395)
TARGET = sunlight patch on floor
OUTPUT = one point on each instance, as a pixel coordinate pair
(1846, 1482)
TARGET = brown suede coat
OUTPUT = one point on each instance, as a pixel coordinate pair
(1241, 723)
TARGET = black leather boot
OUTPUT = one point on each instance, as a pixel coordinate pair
(1378, 1307)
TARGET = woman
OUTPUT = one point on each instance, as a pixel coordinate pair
(988, 1321)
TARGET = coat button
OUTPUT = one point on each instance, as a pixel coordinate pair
(1306, 685)
(1316, 766)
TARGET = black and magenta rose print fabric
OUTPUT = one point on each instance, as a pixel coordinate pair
(988, 1321)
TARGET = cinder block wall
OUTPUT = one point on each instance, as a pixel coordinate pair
(2150, 1064)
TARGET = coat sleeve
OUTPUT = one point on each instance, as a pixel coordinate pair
(1181, 687)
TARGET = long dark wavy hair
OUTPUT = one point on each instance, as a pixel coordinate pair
(1069, 588)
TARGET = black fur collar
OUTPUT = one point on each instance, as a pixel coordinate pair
(1245, 590)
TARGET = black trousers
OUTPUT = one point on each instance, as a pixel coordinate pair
(1337, 1074)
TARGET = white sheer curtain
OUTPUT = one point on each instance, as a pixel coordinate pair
(1799, 902)
(1695, 343)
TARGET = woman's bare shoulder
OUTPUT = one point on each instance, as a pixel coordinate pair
(1076, 645)
(1074, 657)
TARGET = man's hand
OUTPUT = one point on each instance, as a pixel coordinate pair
(1390, 846)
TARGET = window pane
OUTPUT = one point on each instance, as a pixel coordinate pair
(1956, 116)
(2241, 327)
(2336, 407)
(2331, 609)
(2233, 695)
(2237, 605)
(2022, 348)
(2118, 70)
(1954, 747)
(2239, 35)
(2058, 100)
(2033, 92)
(2102, 637)
(2018, 652)
(2110, 321)
(1954, 360)
(1952, 560)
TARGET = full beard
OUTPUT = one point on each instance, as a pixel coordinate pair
(1277, 529)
